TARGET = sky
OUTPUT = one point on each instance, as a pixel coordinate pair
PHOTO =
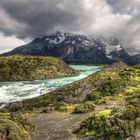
(24, 20)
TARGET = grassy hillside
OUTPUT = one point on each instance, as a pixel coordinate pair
(17, 67)
(117, 122)
(112, 95)
(13, 126)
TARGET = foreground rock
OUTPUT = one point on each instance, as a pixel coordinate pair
(16, 67)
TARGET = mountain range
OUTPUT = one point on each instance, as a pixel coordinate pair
(77, 48)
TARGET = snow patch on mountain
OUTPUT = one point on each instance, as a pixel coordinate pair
(56, 39)
(109, 46)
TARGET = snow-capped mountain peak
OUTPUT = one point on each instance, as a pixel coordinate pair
(110, 45)
(69, 39)
(75, 48)
(56, 39)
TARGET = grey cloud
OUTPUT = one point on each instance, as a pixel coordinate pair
(131, 34)
(44, 16)
(32, 18)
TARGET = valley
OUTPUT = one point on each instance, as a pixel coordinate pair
(69, 69)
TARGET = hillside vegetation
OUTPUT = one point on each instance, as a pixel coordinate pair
(119, 122)
(111, 95)
(19, 67)
(84, 89)
(14, 127)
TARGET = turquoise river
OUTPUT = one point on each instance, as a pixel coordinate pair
(17, 91)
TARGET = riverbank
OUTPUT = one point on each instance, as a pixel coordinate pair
(18, 91)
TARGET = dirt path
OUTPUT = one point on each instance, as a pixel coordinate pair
(60, 125)
(56, 125)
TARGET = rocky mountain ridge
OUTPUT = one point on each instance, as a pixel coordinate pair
(76, 48)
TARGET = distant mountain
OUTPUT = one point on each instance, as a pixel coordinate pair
(134, 59)
(76, 48)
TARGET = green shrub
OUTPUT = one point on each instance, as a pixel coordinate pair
(15, 132)
(111, 87)
(134, 99)
(60, 106)
(85, 107)
(94, 96)
(15, 127)
(118, 124)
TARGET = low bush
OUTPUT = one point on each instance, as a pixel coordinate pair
(111, 87)
(85, 107)
(117, 124)
(60, 106)
(14, 127)
(94, 96)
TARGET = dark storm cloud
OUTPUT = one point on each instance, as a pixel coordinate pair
(43, 16)
(131, 36)
(32, 18)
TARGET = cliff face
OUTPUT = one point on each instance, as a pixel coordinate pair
(75, 48)
(14, 68)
